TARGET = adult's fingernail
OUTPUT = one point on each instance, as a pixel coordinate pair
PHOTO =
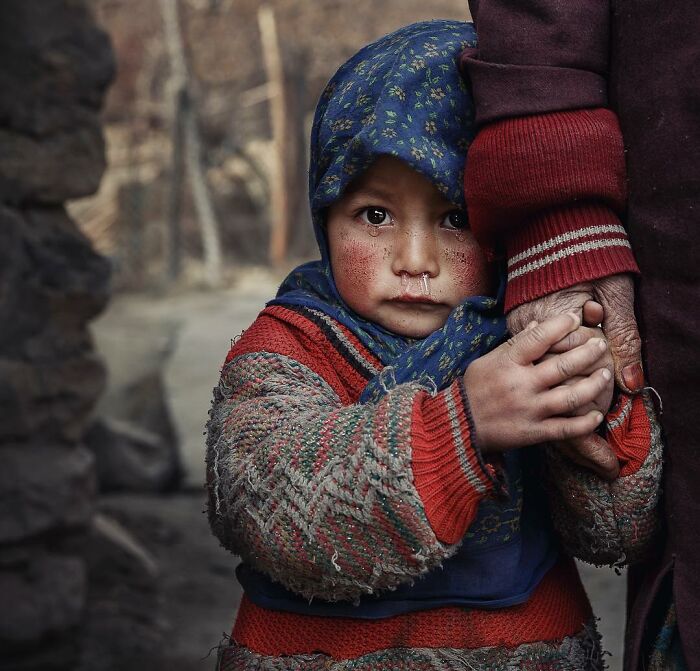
(633, 376)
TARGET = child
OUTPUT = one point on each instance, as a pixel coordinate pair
(363, 442)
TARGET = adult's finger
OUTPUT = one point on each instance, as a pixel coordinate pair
(616, 295)
(559, 302)
(593, 313)
(556, 369)
(591, 452)
(532, 343)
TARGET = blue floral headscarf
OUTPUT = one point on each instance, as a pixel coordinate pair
(402, 96)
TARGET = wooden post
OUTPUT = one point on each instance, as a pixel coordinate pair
(176, 97)
(186, 132)
(279, 188)
(208, 224)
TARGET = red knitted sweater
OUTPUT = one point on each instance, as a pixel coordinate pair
(448, 492)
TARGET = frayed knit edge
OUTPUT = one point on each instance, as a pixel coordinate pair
(497, 476)
(581, 652)
(240, 490)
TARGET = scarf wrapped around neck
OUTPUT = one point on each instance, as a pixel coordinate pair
(402, 96)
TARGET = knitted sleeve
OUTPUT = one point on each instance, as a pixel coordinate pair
(320, 495)
(545, 175)
(617, 522)
(547, 192)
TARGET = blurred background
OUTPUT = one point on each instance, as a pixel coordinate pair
(152, 197)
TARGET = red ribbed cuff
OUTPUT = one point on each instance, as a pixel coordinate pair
(565, 246)
(628, 432)
(448, 473)
(519, 167)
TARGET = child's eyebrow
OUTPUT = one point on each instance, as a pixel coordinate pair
(369, 193)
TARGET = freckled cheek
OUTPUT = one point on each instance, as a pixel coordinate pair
(357, 264)
(470, 270)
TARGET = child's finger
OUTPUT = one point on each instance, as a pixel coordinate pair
(566, 428)
(554, 370)
(529, 345)
(575, 339)
(570, 399)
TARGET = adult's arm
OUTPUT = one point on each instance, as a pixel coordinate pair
(545, 175)
(538, 56)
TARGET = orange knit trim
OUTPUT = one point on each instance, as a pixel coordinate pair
(631, 439)
(446, 470)
(558, 608)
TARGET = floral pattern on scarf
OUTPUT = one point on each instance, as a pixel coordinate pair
(402, 96)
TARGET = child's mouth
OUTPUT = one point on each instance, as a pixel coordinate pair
(408, 298)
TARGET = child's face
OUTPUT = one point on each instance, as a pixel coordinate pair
(391, 236)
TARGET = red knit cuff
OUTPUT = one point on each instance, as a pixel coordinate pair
(564, 246)
(448, 473)
(517, 168)
(628, 432)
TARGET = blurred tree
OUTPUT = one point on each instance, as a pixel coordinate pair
(187, 146)
(224, 70)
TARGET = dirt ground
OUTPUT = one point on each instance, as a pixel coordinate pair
(198, 589)
(199, 593)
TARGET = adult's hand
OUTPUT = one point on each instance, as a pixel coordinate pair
(616, 296)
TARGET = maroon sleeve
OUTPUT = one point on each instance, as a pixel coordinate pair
(546, 192)
(545, 175)
(538, 56)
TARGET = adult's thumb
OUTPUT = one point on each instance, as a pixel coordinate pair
(593, 453)
(616, 295)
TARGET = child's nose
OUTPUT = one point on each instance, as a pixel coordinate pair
(415, 253)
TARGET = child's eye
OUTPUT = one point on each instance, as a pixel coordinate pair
(456, 220)
(375, 216)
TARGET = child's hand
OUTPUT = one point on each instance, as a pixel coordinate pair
(576, 338)
(517, 400)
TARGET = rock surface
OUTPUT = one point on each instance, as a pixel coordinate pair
(44, 487)
(47, 594)
(129, 458)
(123, 612)
(55, 65)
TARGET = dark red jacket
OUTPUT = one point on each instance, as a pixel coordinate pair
(641, 59)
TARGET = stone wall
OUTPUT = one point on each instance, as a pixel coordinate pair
(55, 66)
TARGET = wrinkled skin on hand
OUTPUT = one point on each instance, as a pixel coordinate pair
(615, 294)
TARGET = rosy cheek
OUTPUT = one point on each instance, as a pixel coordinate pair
(470, 270)
(356, 263)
